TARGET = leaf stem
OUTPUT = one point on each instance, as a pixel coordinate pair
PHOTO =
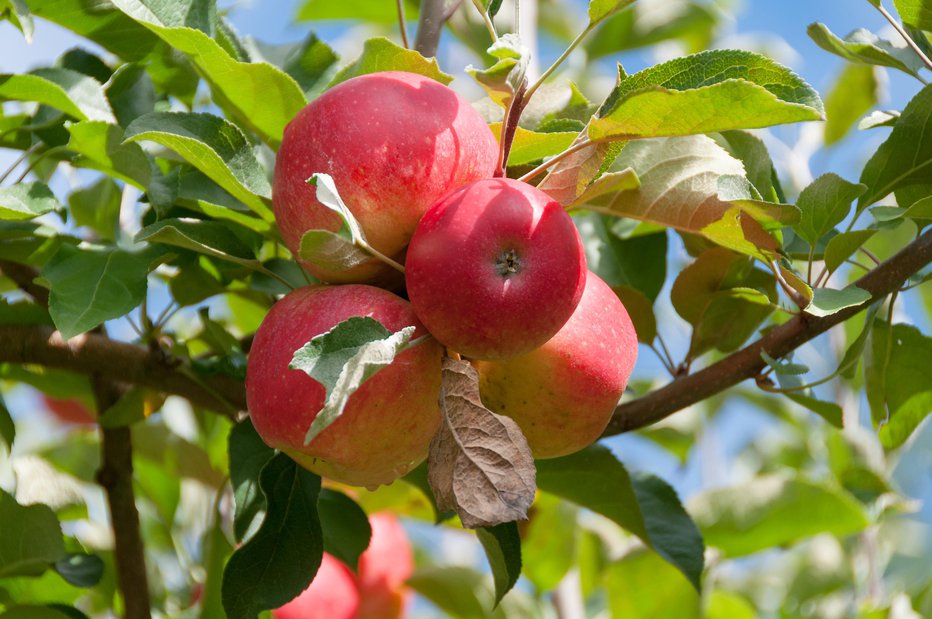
(490, 26)
(791, 292)
(556, 159)
(556, 63)
(660, 356)
(380, 256)
(902, 32)
(32, 149)
(399, 4)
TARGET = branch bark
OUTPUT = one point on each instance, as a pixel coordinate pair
(429, 26)
(747, 363)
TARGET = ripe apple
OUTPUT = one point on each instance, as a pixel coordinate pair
(563, 393)
(394, 143)
(383, 569)
(331, 595)
(495, 269)
(69, 410)
(388, 422)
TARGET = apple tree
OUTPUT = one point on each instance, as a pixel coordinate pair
(439, 309)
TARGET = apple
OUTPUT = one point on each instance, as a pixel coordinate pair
(394, 143)
(383, 569)
(69, 410)
(495, 269)
(563, 393)
(331, 595)
(388, 422)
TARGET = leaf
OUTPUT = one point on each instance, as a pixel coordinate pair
(897, 381)
(17, 13)
(785, 367)
(372, 11)
(879, 118)
(606, 184)
(714, 90)
(345, 526)
(458, 591)
(645, 506)
(601, 9)
(691, 184)
(640, 310)
(214, 146)
(842, 246)
(380, 54)
(916, 13)
(308, 61)
(529, 146)
(751, 151)
(27, 200)
(131, 93)
(569, 179)
(7, 427)
(827, 301)
(65, 90)
(863, 46)
(97, 206)
(854, 93)
(51, 611)
(248, 454)
(31, 540)
(328, 195)
(81, 570)
(338, 251)
(823, 204)
(642, 586)
(212, 238)
(281, 559)
(502, 546)
(636, 261)
(905, 158)
(764, 513)
(261, 95)
(549, 542)
(90, 285)
(829, 411)
(100, 146)
(480, 464)
(344, 358)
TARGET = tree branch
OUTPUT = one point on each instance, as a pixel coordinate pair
(778, 342)
(24, 277)
(429, 26)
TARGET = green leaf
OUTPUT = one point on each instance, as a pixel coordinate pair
(691, 184)
(827, 301)
(90, 285)
(345, 357)
(529, 146)
(905, 158)
(131, 93)
(829, 411)
(345, 526)
(100, 146)
(854, 93)
(692, 25)
(879, 118)
(281, 559)
(7, 427)
(340, 250)
(640, 310)
(380, 54)
(81, 570)
(823, 204)
(759, 170)
(248, 454)
(600, 9)
(765, 512)
(642, 586)
(727, 605)
(308, 62)
(637, 261)
(97, 206)
(17, 13)
(27, 200)
(31, 540)
(916, 13)
(842, 246)
(212, 238)
(214, 146)
(715, 90)
(784, 367)
(52, 611)
(569, 179)
(65, 90)
(502, 546)
(897, 381)
(646, 506)
(604, 185)
(262, 96)
(458, 591)
(549, 542)
(372, 11)
(864, 47)
(217, 550)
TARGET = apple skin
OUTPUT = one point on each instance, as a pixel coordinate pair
(563, 394)
(69, 410)
(331, 595)
(383, 569)
(389, 421)
(394, 143)
(457, 269)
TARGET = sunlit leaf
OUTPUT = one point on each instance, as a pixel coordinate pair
(865, 47)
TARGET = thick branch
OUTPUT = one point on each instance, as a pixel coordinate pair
(429, 26)
(24, 276)
(125, 363)
(778, 342)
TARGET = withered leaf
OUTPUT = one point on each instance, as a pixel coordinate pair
(480, 465)
(567, 180)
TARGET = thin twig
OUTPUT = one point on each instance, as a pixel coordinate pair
(32, 149)
(399, 4)
(556, 63)
(556, 159)
(902, 32)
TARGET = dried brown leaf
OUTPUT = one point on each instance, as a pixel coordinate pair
(480, 464)
(568, 179)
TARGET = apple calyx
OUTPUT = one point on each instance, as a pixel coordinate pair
(508, 263)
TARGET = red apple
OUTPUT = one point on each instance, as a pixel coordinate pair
(69, 410)
(383, 569)
(563, 393)
(495, 269)
(331, 595)
(394, 143)
(388, 422)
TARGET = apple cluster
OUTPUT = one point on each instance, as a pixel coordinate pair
(494, 271)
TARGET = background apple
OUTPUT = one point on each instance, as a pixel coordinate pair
(69, 410)
(389, 421)
(331, 595)
(495, 269)
(383, 569)
(394, 143)
(563, 393)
